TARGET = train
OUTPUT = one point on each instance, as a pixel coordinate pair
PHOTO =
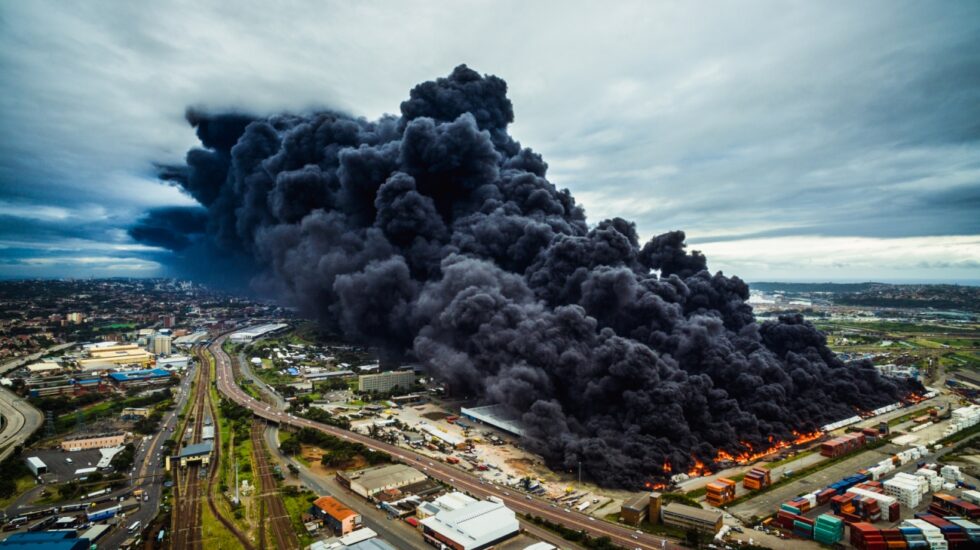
(104, 513)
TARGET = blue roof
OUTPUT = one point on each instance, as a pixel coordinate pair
(139, 375)
(45, 540)
(292, 371)
(196, 449)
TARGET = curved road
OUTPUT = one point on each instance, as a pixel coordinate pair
(460, 479)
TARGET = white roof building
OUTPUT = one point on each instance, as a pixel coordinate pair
(44, 366)
(477, 525)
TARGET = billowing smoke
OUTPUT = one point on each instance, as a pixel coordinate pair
(435, 236)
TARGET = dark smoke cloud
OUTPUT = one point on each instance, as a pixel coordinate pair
(437, 236)
(174, 228)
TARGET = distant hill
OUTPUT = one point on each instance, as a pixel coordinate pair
(920, 296)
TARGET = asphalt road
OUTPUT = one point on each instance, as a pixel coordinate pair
(460, 479)
(20, 420)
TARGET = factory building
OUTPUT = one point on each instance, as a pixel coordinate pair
(384, 382)
(44, 368)
(133, 378)
(496, 416)
(160, 344)
(248, 335)
(371, 481)
(98, 441)
(174, 362)
(635, 510)
(477, 526)
(115, 354)
(335, 515)
(45, 540)
(688, 517)
(134, 413)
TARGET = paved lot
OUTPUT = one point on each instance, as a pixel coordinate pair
(59, 469)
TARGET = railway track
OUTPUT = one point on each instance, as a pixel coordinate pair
(274, 512)
(196, 483)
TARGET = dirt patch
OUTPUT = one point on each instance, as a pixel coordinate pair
(435, 415)
(312, 456)
(523, 466)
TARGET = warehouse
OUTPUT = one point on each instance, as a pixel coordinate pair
(372, 481)
(688, 517)
(635, 510)
(496, 416)
(37, 466)
(250, 334)
(43, 368)
(174, 362)
(45, 540)
(476, 526)
(140, 378)
(97, 441)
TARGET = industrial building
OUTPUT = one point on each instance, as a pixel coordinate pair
(98, 441)
(635, 510)
(496, 416)
(688, 517)
(160, 344)
(134, 413)
(248, 335)
(479, 525)
(174, 362)
(115, 354)
(43, 368)
(371, 481)
(384, 382)
(36, 466)
(335, 515)
(45, 540)
(445, 503)
(132, 378)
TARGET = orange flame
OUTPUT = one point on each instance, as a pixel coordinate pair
(748, 455)
(666, 468)
(699, 469)
(655, 486)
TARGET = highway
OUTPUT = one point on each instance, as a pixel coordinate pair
(460, 479)
(20, 418)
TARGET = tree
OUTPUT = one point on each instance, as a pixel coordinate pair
(292, 469)
(695, 538)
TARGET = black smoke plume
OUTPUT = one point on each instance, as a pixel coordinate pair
(434, 235)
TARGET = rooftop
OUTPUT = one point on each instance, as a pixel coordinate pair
(196, 449)
(139, 375)
(45, 540)
(474, 525)
(334, 508)
(692, 512)
(380, 477)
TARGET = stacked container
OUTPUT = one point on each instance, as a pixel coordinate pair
(823, 497)
(971, 496)
(963, 418)
(907, 488)
(970, 529)
(946, 505)
(756, 478)
(935, 482)
(721, 491)
(954, 534)
(840, 446)
(951, 473)
(934, 537)
(865, 536)
(828, 529)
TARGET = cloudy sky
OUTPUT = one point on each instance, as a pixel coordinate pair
(790, 140)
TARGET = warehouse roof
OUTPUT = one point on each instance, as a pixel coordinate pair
(45, 540)
(475, 525)
(139, 375)
(700, 514)
(637, 502)
(381, 477)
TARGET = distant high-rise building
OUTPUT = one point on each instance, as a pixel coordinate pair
(386, 381)
(168, 321)
(160, 345)
(75, 317)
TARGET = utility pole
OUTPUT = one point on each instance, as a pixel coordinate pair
(237, 500)
(580, 472)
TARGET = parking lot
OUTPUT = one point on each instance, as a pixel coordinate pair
(59, 467)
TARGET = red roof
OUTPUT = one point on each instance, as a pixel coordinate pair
(334, 508)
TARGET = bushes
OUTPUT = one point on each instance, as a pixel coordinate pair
(580, 537)
(338, 453)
